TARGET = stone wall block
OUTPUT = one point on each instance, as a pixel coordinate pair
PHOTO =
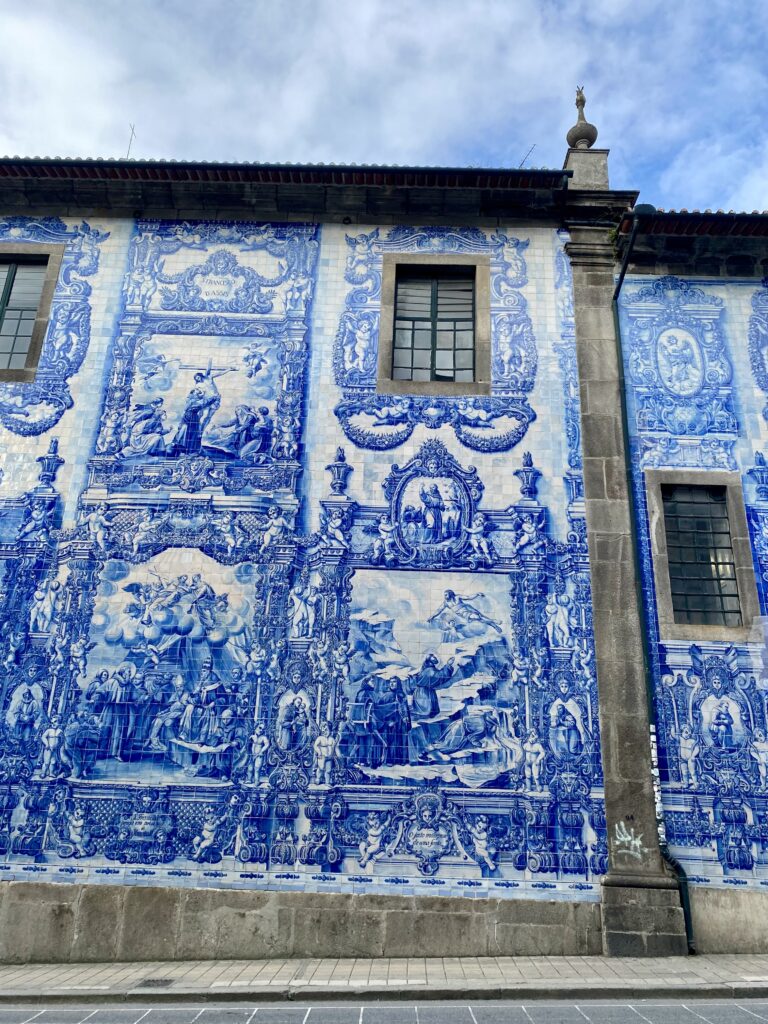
(602, 435)
(729, 921)
(150, 924)
(349, 932)
(98, 923)
(37, 921)
(449, 933)
(258, 933)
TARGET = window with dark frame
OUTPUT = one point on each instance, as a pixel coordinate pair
(21, 287)
(702, 568)
(434, 330)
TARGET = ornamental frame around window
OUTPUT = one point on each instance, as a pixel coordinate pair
(669, 630)
(18, 252)
(482, 327)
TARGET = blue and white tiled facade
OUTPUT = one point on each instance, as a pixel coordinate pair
(706, 412)
(265, 628)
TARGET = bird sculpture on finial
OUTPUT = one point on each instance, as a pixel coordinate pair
(583, 134)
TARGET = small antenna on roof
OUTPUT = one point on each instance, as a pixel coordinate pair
(527, 155)
(130, 140)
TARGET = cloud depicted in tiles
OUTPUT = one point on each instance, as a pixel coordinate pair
(677, 91)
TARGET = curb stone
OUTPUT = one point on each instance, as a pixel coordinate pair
(372, 993)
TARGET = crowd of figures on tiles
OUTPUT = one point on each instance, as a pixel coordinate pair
(710, 697)
(189, 674)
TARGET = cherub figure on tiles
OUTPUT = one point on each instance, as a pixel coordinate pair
(51, 747)
(528, 536)
(47, 604)
(363, 267)
(560, 618)
(276, 529)
(306, 607)
(96, 523)
(515, 350)
(383, 550)
(324, 753)
(482, 552)
(335, 528)
(357, 342)
(38, 520)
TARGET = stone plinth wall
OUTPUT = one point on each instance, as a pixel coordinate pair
(42, 922)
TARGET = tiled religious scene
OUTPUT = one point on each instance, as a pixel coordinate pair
(264, 627)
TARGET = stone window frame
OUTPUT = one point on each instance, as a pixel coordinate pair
(456, 389)
(669, 630)
(55, 255)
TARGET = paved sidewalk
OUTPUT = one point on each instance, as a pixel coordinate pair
(704, 977)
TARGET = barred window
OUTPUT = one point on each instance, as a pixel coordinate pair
(21, 288)
(702, 568)
(434, 324)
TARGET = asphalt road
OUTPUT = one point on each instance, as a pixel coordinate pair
(651, 1012)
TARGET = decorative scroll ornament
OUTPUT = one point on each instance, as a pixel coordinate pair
(32, 408)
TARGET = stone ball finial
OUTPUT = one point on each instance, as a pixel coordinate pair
(583, 134)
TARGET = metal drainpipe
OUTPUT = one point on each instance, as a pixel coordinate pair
(675, 865)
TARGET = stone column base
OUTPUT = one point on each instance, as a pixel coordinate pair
(643, 919)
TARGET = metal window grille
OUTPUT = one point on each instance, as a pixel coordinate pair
(702, 569)
(434, 325)
(21, 285)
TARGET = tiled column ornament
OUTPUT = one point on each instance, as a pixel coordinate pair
(641, 910)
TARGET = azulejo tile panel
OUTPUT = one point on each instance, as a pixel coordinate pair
(694, 353)
(292, 639)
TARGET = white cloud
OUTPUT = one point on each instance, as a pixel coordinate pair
(398, 81)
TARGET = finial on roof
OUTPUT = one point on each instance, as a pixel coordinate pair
(583, 134)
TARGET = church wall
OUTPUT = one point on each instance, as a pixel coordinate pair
(265, 628)
(703, 418)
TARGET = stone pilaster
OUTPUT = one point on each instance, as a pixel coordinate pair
(641, 906)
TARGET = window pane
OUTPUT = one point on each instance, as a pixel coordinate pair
(402, 358)
(465, 376)
(27, 287)
(17, 362)
(436, 305)
(401, 373)
(700, 554)
(414, 298)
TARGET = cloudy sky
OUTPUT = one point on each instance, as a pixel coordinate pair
(677, 88)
